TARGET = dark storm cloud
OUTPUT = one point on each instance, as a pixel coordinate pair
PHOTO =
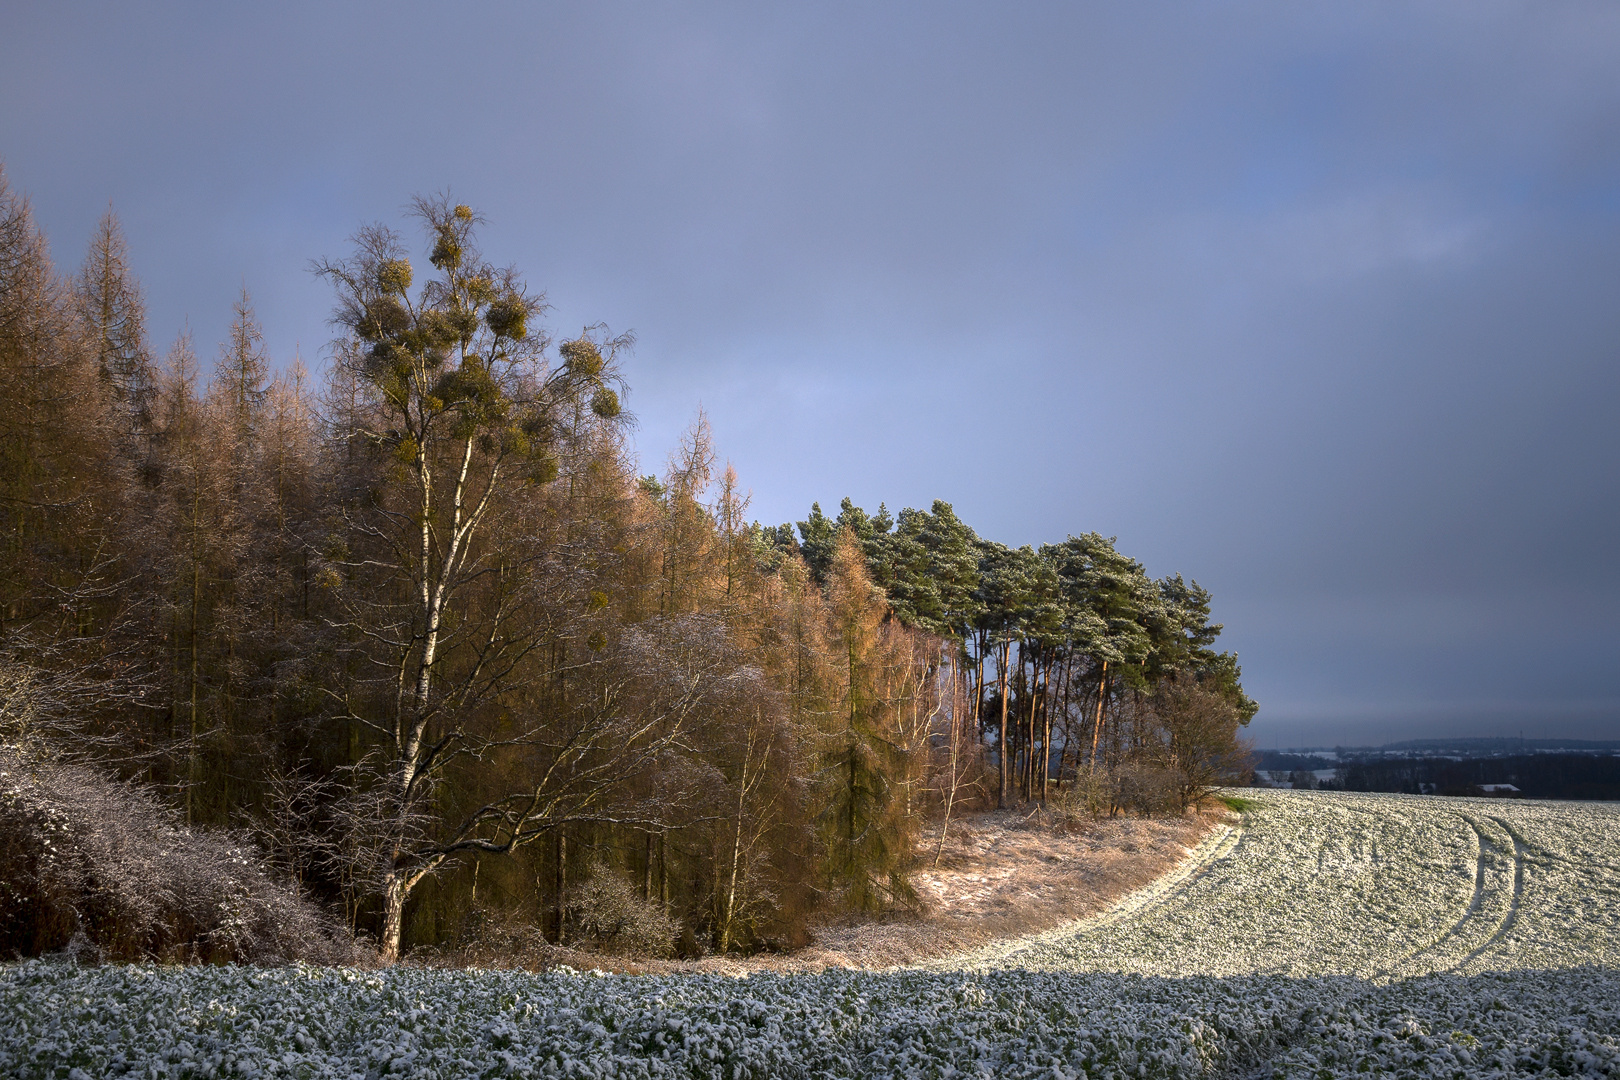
(1314, 303)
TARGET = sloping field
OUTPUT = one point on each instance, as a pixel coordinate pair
(1377, 886)
(1326, 935)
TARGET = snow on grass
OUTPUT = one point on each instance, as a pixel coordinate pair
(1337, 935)
(1379, 886)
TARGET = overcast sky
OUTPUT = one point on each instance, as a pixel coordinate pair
(1318, 304)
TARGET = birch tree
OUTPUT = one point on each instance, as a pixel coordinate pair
(465, 410)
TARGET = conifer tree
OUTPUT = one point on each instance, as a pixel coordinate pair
(113, 312)
(242, 375)
(59, 480)
(864, 768)
(818, 539)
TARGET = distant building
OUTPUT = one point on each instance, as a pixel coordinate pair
(1499, 791)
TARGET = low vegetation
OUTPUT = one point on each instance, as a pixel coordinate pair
(101, 870)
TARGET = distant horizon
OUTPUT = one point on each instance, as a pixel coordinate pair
(1462, 743)
(1328, 733)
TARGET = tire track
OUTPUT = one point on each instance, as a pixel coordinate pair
(1470, 914)
(1517, 898)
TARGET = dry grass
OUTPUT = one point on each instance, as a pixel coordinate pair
(1001, 875)
(1005, 874)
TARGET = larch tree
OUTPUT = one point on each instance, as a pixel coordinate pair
(60, 478)
(863, 768)
(110, 306)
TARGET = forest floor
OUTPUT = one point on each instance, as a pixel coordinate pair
(999, 875)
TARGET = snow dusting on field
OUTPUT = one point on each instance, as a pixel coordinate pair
(1327, 935)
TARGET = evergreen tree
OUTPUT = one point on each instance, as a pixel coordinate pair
(818, 540)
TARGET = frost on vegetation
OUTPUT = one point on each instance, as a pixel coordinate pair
(1377, 886)
(197, 1022)
(606, 909)
(101, 868)
(1501, 961)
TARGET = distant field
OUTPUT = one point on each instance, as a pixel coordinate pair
(1329, 934)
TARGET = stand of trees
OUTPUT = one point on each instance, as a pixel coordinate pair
(423, 630)
(1535, 776)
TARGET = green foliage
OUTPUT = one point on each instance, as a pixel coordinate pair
(1238, 804)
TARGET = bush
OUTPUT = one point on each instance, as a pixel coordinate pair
(103, 868)
(1141, 787)
(1133, 787)
(607, 911)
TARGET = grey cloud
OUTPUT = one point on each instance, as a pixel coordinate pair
(1315, 303)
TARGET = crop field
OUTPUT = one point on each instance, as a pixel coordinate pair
(1325, 935)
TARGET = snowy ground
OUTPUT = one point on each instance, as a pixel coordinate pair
(1327, 935)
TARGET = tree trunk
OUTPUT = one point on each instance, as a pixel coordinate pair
(393, 915)
(191, 745)
(647, 880)
(1046, 743)
(1096, 730)
(1001, 750)
(1029, 753)
(958, 700)
(663, 870)
(562, 884)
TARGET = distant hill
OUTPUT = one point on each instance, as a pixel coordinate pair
(1494, 746)
(1457, 748)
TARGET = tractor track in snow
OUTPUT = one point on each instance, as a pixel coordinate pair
(1483, 851)
(1514, 904)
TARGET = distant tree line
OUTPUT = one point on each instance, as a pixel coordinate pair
(423, 630)
(1537, 776)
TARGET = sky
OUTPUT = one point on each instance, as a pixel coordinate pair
(1317, 304)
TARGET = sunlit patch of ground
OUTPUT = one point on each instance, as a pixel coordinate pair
(1010, 873)
(1377, 886)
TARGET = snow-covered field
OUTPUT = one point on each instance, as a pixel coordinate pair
(1328, 935)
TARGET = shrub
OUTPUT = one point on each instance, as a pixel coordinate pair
(605, 908)
(104, 868)
(1141, 787)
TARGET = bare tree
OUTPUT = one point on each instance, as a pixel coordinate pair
(960, 763)
(1200, 737)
